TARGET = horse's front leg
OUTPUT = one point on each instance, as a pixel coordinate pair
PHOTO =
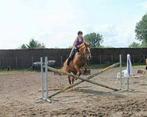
(85, 70)
(85, 67)
(71, 80)
(78, 70)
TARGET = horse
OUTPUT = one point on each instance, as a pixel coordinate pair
(79, 61)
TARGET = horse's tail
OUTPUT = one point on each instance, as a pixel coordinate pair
(61, 70)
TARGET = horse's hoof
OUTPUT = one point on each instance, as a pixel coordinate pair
(79, 73)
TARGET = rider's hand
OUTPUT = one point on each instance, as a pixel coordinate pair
(77, 49)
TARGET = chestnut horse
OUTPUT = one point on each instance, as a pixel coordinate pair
(80, 60)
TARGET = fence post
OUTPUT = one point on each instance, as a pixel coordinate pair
(32, 59)
(16, 62)
(121, 80)
(112, 59)
(100, 59)
(61, 60)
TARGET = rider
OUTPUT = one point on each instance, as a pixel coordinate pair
(79, 40)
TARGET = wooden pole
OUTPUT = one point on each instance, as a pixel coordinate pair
(83, 79)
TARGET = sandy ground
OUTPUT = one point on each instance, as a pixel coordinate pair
(20, 93)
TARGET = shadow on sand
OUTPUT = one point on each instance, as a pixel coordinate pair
(99, 93)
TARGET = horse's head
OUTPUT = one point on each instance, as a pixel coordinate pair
(85, 50)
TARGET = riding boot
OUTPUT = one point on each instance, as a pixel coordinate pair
(68, 60)
(71, 56)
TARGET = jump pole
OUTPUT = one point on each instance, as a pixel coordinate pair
(44, 77)
(129, 70)
(121, 80)
(83, 79)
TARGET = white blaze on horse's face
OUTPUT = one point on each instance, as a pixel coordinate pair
(87, 53)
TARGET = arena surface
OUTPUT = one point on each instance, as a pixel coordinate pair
(20, 92)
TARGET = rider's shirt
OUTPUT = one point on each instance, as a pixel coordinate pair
(78, 42)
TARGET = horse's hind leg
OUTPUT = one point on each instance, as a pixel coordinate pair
(69, 80)
(73, 79)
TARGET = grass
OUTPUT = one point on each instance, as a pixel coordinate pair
(8, 72)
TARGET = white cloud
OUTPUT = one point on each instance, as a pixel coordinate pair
(23, 20)
(117, 35)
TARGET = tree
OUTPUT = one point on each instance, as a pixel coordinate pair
(135, 45)
(95, 39)
(33, 44)
(23, 46)
(141, 31)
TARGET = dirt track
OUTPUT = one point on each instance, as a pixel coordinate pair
(20, 93)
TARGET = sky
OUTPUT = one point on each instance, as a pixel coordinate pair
(56, 22)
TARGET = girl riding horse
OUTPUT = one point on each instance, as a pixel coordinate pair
(79, 40)
(78, 58)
